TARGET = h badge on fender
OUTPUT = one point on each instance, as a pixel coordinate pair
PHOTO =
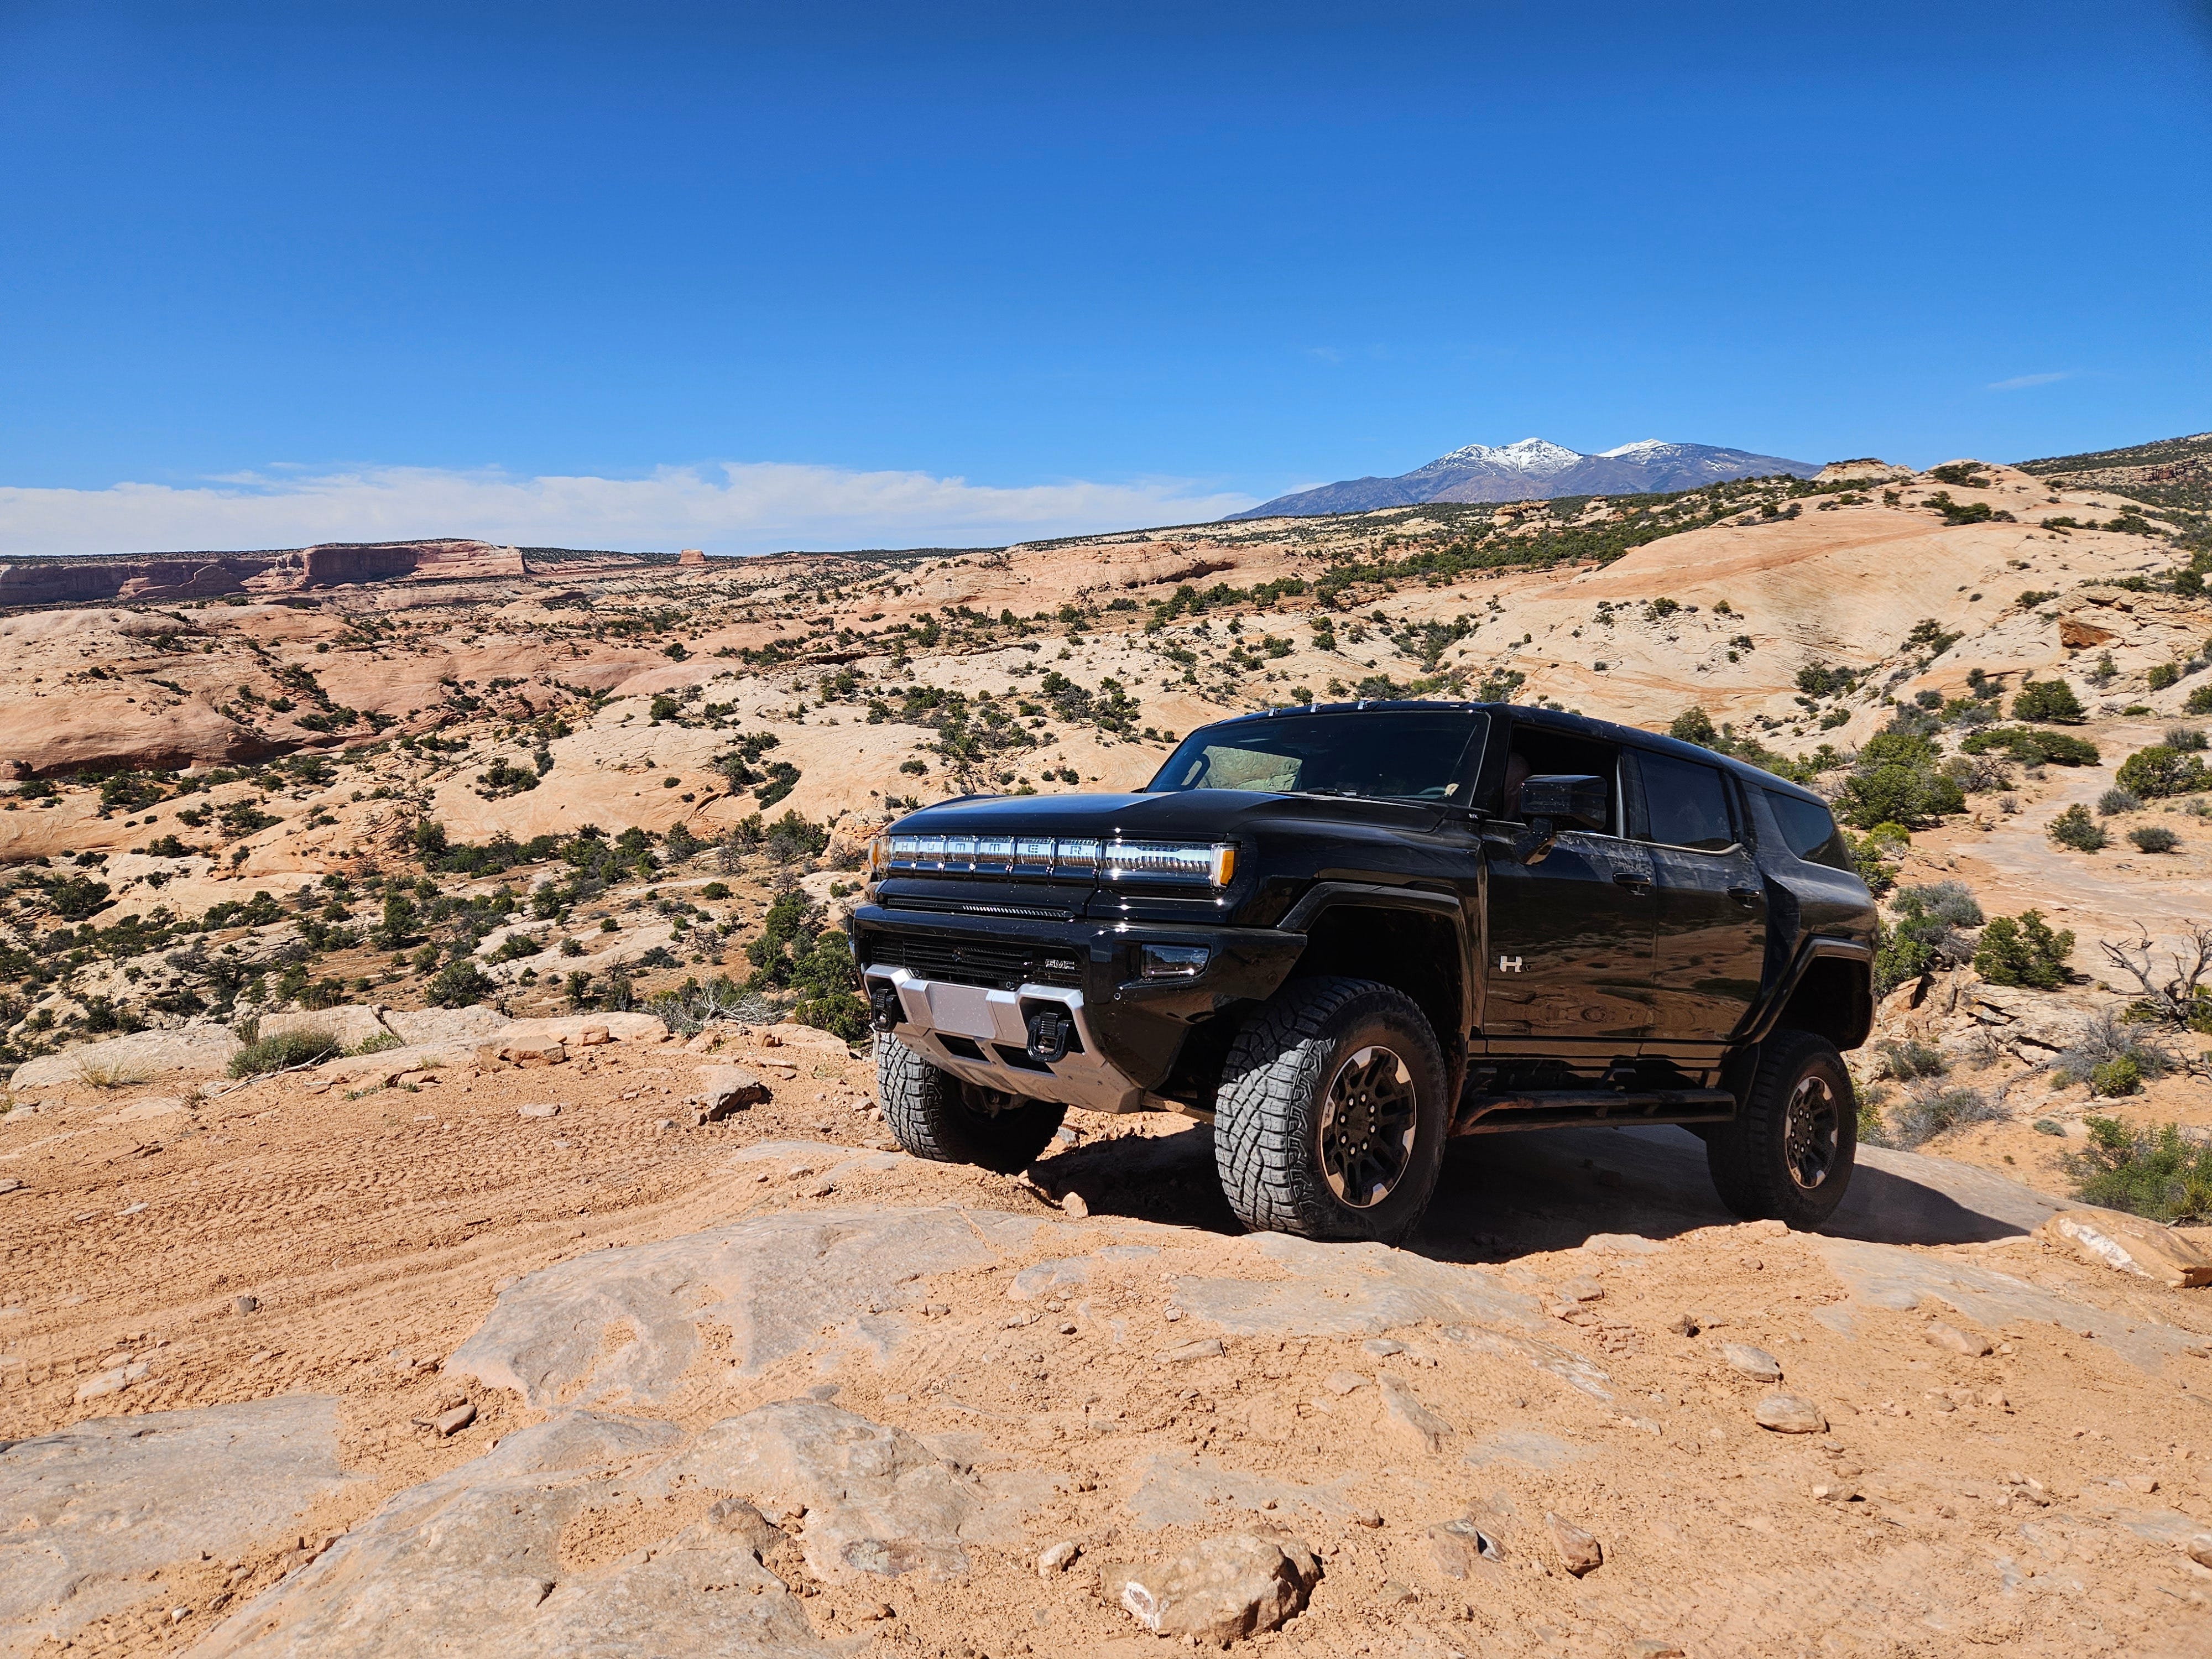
(1508, 965)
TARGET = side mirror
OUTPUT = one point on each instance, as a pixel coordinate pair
(1568, 799)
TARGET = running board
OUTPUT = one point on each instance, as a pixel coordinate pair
(1549, 1109)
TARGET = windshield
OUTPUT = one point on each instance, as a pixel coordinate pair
(1399, 755)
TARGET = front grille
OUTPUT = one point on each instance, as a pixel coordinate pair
(975, 962)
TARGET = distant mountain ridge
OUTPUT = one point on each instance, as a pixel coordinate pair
(1535, 468)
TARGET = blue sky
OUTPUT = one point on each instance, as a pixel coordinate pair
(756, 277)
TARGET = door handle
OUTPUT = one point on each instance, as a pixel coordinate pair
(1631, 880)
(1746, 896)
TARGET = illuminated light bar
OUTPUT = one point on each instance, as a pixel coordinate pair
(1080, 857)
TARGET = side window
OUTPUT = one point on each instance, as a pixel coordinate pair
(1538, 753)
(1686, 803)
(1811, 833)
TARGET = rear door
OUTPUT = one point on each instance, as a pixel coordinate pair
(1567, 968)
(1711, 943)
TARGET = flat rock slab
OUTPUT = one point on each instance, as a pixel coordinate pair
(1172, 1493)
(1353, 1289)
(87, 1513)
(471, 1563)
(1888, 1277)
(776, 1283)
(350, 1026)
(187, 1051)
(500, 1557)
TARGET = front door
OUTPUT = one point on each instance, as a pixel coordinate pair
(1568, 964)
(1711, 948)
(1569, 960)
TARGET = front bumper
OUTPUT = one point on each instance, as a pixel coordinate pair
(1112, 1036)
(981, 1034)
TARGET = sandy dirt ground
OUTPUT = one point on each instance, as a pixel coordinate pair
(2032, 1498)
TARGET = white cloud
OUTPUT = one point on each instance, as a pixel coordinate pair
(2021, 382)
(759, 507)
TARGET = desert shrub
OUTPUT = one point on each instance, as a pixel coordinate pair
(2115, 1077)
(792, 837)
(2075, 827)
(2049, 700)
(1952, 901)
(2200, 701)
(716, 889)
(281, 1053)
(1694, 726)
(1873, 853)
(2159, 771)
(2153, 838)
(1923, 934)
(382, 1043)
(1897, 782)
(515, 946)
(2117, 799)
(2159, 1174)
(1910, 1061)
(2023, 952)
(828, 984)
(2031, 748)
(1927, 1113)
(323, 994)
(2189, 740)
(1977, 775)
(2163, 675)
(2116, 1050)
(457, 984)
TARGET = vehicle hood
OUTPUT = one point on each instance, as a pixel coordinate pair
(1180, 815)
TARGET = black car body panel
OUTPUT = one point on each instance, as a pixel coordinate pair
(1644, 960)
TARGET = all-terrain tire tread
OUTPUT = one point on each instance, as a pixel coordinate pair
(1745, 1165)
(924, 1108)
(1270, 1083)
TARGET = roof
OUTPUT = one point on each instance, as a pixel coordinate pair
(1557, 719)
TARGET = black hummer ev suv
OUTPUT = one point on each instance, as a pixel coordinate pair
(1343, 933)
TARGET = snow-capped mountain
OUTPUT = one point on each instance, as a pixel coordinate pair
(1536, 469)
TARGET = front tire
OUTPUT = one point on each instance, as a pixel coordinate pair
(1331, 1117)
(1789, 1154)
(937, 1116)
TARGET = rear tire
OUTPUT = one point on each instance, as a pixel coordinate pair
(1331, 1117)
(936, 1115)
(1789, 1154)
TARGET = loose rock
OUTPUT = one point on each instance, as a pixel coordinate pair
(1072, 1205)
(1210, 1348)
(1788, 1413)
(539, 1108)
(2200, 1549)
(1059, 1557)
(726, 1088)
(1751, 1362)
(1579, 1552)
(1225, 1589)
(1957, 1341)
(2131, 1244)
(452, 1422)
(246, 1304)
(1407, 1414)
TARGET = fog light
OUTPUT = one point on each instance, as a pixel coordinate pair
(1172, 961)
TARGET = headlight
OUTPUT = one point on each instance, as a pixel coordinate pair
(879, 857)
(1076, 857)
(1168, 861)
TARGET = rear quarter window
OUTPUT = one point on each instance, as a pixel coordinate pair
(1810, 832)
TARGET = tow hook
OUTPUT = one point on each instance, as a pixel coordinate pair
(884, 1011)
(1048, 1032)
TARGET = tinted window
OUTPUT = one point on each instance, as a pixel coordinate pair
(1811, 833)
(1403, 754)
(1687, 803)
